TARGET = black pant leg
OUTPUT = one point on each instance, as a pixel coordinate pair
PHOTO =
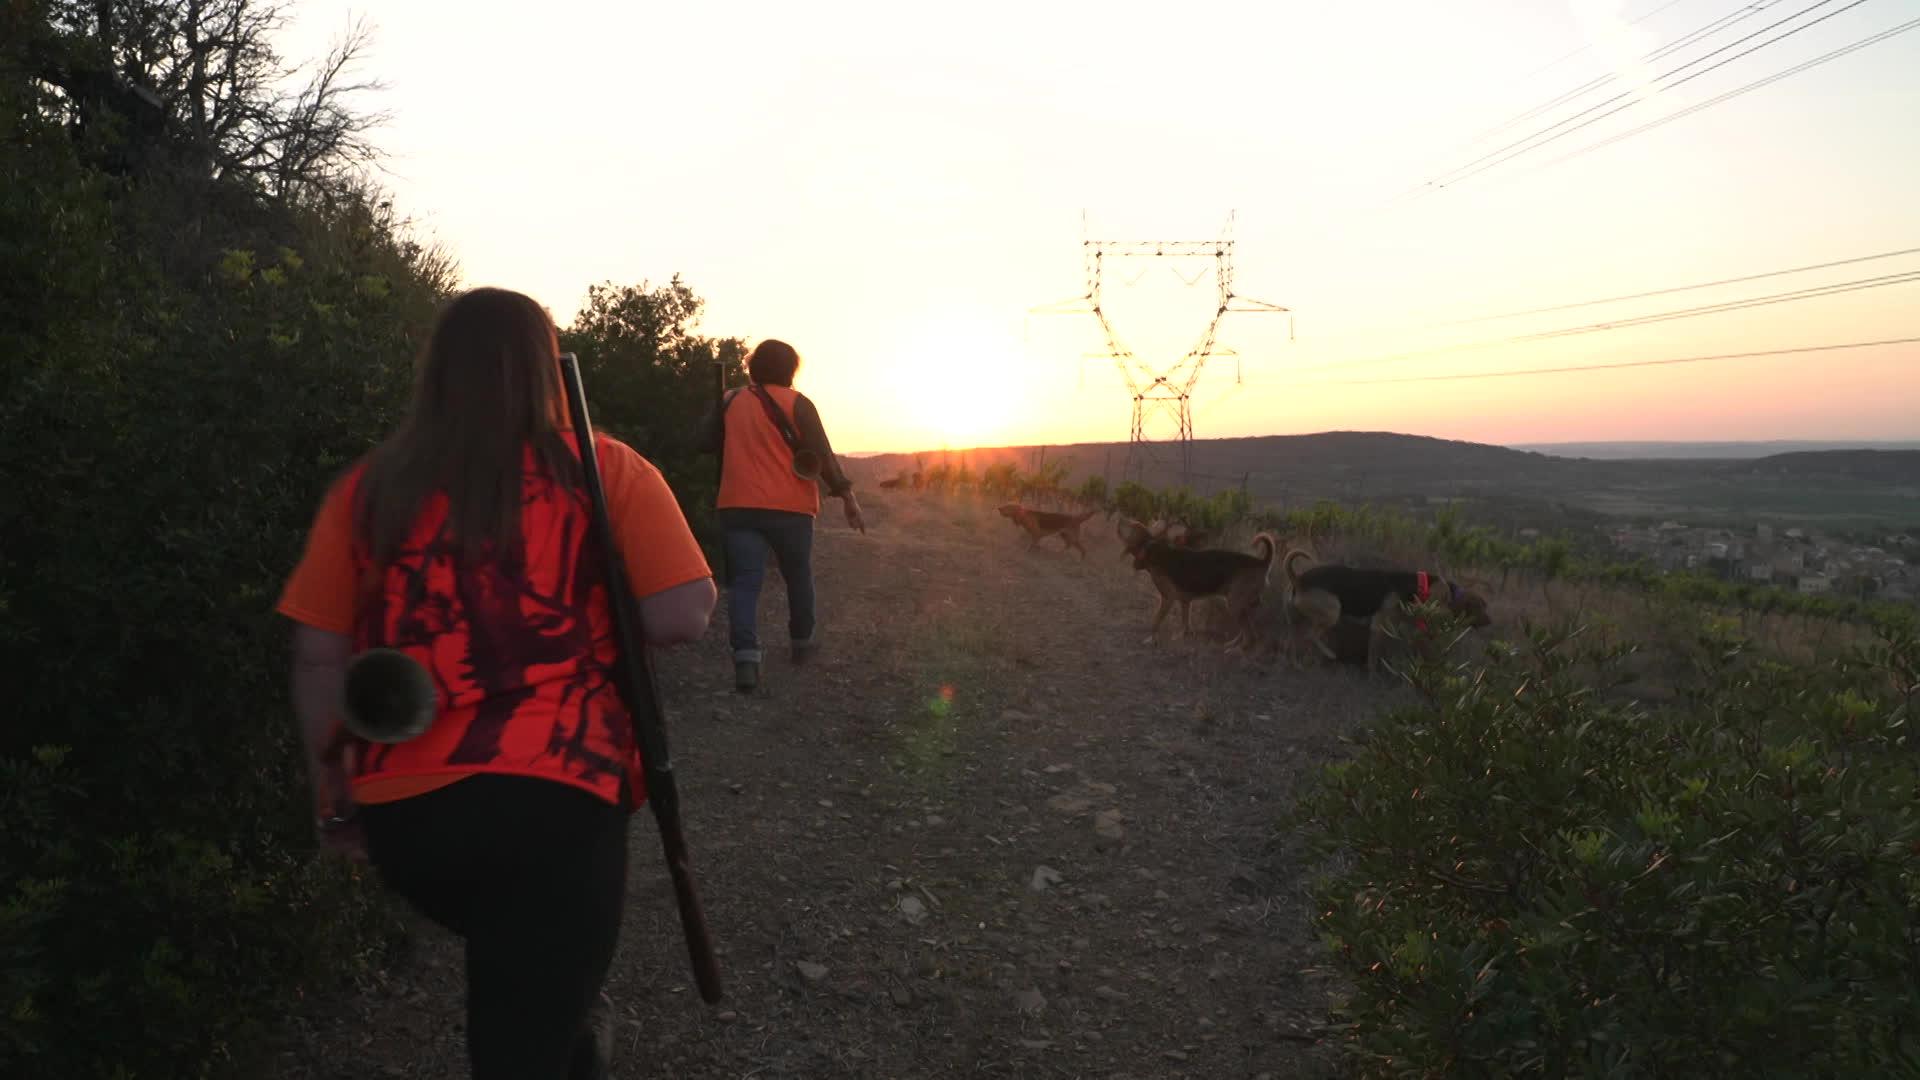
(532, 873)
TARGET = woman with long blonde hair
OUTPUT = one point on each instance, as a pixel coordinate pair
(463, 541)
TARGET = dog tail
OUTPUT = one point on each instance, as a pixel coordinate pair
(1268, 545)
(1294, 556)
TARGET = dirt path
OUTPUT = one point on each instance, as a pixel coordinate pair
(990, 833)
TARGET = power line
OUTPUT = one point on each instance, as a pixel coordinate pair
(1551, 64)
(1810, 293)
(1519, 146)
(1541, 138)
(1685, 288)
(1431, 186)
(1642, 295)
(1815, 292)
(1745, 12)
(1611, 367)
(1731, 94)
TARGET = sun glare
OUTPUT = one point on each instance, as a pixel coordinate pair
(960, 389)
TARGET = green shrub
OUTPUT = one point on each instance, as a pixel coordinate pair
(1002, 480)
(1136, 501)
(1048, 480)
(1531, 875)
(649, 379)
(171, 420)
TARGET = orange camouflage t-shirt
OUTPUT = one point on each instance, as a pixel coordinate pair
(522, 654)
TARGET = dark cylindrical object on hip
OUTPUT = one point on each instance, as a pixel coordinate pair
(388, 697)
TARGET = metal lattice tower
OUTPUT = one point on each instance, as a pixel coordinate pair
(1161, 389)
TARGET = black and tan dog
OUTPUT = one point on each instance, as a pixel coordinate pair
(1183, 575)
(1326, 596)
(1041, 524)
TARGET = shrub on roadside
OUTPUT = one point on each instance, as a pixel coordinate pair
(1531, 875)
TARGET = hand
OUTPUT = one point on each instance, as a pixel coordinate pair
(344, 835)
(854, 518)
(336, 815)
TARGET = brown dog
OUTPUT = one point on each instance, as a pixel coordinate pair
(1183, 575)
(1325, 596)
(1040, 524)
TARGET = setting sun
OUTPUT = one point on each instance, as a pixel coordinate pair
(957, 388)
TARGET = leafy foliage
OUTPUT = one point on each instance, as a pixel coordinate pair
(1534, 876)
(172, 415)
(650, 380)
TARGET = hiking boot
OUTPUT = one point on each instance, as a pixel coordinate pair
(804, 651)
(593, 1054)
(746, 676)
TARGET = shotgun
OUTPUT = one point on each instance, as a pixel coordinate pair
(719, 409)
(720, 461)
(633, 678)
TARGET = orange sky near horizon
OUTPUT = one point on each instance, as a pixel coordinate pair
(893, 196)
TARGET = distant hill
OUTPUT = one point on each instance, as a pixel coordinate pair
(1332, 464)
(1522, 487)
(1681, 451)
(1896, 467)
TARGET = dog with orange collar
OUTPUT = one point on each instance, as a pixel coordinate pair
(1327, 595)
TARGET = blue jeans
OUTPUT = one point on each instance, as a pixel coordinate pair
(749, 534)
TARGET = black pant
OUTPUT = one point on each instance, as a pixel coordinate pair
(532, 873)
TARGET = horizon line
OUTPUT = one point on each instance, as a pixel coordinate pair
(1912, 441)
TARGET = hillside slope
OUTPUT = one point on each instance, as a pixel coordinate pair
(1894, 467)
(991, 833)
(1519, 488)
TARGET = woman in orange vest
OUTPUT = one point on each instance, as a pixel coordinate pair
(774, 454)
(462, 541)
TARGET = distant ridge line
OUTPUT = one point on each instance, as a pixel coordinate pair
(1656, 449)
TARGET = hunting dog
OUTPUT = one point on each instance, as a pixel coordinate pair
(1327, 596)
(1040, 524)
(1183, 575)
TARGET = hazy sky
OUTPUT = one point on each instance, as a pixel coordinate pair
(892, 187)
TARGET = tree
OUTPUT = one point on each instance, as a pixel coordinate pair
(202, 78)
(649, 378)
(652, 373)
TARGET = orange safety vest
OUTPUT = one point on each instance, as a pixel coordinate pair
(756, 470)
